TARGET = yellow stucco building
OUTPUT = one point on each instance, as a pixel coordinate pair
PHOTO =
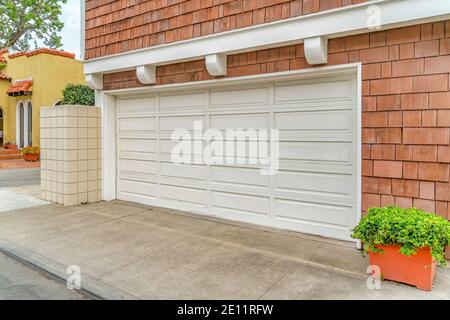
(29, 81)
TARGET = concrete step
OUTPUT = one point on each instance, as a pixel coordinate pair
(10, 156)
(9, 151)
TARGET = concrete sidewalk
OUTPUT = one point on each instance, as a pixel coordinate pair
(20, 188)
(127, 251)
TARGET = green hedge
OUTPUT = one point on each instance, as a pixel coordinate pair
(78, 94)
(410, 228)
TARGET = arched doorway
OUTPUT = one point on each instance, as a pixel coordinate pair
(20, 124)
(2, 130)
(24, 123)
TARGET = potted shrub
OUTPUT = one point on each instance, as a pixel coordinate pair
(10, 145)
(30, 153)
(405, 244)
(78, 94)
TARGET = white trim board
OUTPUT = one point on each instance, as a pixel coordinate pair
(334, 23)
(274, 76)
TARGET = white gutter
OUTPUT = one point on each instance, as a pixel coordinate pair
(82, 28)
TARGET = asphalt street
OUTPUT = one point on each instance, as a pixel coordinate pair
(19, 282)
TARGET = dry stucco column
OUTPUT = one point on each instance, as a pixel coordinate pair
(70, 154)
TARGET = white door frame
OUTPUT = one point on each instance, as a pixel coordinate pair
(19, 129)
(107, 100)
(26, 123)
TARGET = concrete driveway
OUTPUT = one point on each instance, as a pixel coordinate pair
(128, 251)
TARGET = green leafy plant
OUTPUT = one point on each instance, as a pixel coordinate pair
(30, 150)
(78, 94)
(410, 228)
(25, 21)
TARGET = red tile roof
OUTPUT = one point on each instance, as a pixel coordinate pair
(17, 54)
(4, 76)
(40, 51)
(19, 88)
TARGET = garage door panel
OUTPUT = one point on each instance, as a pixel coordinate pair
(238, 176)
(315, 136)
(315, 166)
(340, 120)
(180, 122)
(329, 125)
(138, 176)
(137, 105)
(183, 101)
(183, 182)
(181, 194)
(130, 165)
(198, 172)
(306, 91)
(138, 187)
(240, 97)
(316, 212)
(314, 181)
(138, 156)
(167, 146)
(240, 202)
(317, 151)
(240, 121)
(316, 197)
(137, 124)
(137, 145)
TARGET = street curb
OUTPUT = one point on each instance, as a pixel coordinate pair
(90, 287)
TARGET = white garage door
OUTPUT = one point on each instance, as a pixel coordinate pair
(315, 189)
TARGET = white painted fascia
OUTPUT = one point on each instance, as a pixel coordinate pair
(334, 23)
(236, 81)
(82, 28)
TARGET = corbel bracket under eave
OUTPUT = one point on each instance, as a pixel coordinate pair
(146, 74)
(94, 81)
(216, 64)
(316, 50)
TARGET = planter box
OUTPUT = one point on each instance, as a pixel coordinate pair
(31, 157)
(70, 154)
(10, 146)
(418, 270)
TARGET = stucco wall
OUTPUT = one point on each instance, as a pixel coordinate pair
(50, 74)
(3, 104)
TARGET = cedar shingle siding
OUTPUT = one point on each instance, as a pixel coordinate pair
(115, 26)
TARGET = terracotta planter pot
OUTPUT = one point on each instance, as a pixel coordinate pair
(418, 270)
(30, 157)
(10, 146)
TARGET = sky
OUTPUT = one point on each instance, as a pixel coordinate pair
(71, 32)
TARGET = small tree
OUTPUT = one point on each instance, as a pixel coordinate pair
(78, 94)
(25, 21)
